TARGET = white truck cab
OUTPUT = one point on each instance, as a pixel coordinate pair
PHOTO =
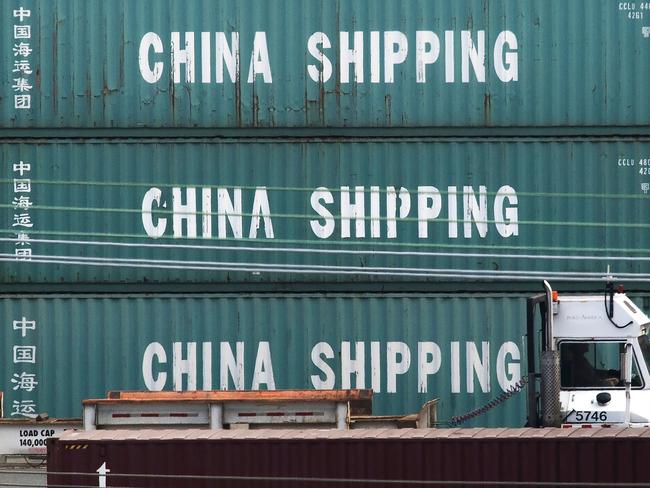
(604, 360)
(600, 353)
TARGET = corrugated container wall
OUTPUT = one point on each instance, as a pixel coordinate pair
(284, 211)
(246, 64)
(242, 149)
(408, 348)
(478, 457)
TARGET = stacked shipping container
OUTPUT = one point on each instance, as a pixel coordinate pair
(294, 195)
(520, 457)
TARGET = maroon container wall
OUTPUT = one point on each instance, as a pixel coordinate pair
(527, 457)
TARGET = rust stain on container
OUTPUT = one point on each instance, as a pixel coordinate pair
(229, 395)
(387, 105)
(550, 69)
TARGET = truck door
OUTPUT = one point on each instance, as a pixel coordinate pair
(592, 386)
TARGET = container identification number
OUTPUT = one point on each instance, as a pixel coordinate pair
(634, 10)
(644, 166)
(590, 416)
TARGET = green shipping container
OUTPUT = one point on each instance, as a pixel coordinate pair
(192, 211)
(463, 349)
(308, 64)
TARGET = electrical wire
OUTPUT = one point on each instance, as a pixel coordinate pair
(609, 311)
(292, 250)
(329, 247)
(315, 269)
(327, 242)
(334, 189)
(305, 479)
(365, 218)
(457, 420)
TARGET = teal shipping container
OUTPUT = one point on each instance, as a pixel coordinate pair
(124, 64)
(286, 211)
(463, 349)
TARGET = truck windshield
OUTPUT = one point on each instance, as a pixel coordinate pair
(644, 342)
(596, 364)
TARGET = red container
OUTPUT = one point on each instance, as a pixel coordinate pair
(285, 458)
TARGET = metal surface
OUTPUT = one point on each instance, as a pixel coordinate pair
(219, 409)
(582, 63)
(492, 212)
(360, 398)
(463, 349)
(497, 455)
(469, 434)
(23, 475)
(550, 388)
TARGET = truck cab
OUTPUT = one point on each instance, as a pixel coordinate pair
(595, 359)
(603, 345)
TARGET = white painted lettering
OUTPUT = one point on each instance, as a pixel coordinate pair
(319, 353)
(351, 366)
(232, 366)
(475, 211)
(230, 210)
(395, 366)
(319, 75)
(474, 54)
(506, 64)
(153, 230)
(153, 382)
(375, 366)
(375, 212)
(350, 56)
(427, 51)
(263, 372)
(184, 367)
(260, 62)
(261, 208)
(185, 212)
(510, 225)
(429, 206)
(149, 41)
(375, 57)
(478, 364)
(227, 56)
(102, 472)
(452, 207)
(183, 56)
(325, 230)
(508, 373)
(429, 362)
(352, 211)
(207, 366)
(455, 366)
(450, 67)
(395, 52)
(391, 209)
(206, 210)
(206, 66)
